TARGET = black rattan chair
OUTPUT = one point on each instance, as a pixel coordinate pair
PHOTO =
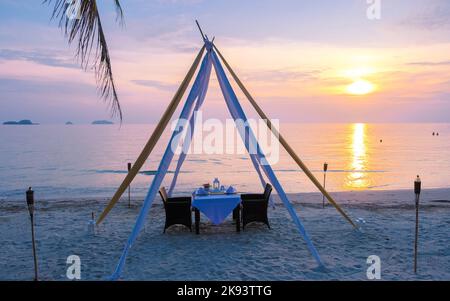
(254, 207)
(178, 210)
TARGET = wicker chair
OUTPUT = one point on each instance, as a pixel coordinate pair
(178, 210)
(254, 207)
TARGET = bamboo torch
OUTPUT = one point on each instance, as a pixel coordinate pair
(129, 188)
(417, 189)
(30, 204)
(325, 168)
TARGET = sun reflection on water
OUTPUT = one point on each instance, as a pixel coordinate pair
(357, 178)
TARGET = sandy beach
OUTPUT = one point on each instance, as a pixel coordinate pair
(386, 220)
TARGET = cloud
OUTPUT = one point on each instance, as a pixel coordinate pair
(155, 84)
(180, 1)
(42, 57)
(443, 63)
(281, 75)
(160, 34)
(432, 18)
(33, 87)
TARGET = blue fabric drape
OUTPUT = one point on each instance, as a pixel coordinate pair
(253, 147)
(189, 134)
(188, 139)
(196, 97)
(196, 90)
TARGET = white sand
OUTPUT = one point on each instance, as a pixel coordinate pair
(219, 253)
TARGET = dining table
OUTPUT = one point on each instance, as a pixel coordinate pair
(217, 207)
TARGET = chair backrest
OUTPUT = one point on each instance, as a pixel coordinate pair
(163, 194)
(267, 191)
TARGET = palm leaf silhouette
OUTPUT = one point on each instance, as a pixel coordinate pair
(83, 25)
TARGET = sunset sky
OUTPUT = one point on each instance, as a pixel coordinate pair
(304, 61)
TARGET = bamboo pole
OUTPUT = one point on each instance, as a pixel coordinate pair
(148, 148)
(325, 168)
(129, 187)
(417, 189)
(283, 141)
(36, 278)
(200, 29)
(30, 204)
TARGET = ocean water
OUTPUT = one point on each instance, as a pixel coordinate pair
(80, 161)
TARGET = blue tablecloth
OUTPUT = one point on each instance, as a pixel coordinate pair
(216, 207)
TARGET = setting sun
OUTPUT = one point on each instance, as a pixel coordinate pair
(360, 87)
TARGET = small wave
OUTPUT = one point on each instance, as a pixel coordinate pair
(101, 171)
(332, 170)
(378, 186)
(197, 160)
(440, 201)
(144, 172)
(49, 168)
(150, 172)
(352, 170)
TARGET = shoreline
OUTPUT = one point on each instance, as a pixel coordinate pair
(385, 219)
(349, 198)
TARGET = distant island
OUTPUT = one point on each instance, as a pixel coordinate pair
(69, 123)
(96, 122)
(21, 122)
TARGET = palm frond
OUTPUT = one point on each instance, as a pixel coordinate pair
(85, 28)
(119, 12)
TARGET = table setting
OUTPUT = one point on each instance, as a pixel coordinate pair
(216, 203)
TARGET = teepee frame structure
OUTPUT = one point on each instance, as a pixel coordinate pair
(198, 91)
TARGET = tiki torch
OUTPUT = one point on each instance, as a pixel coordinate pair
(91, 224)
(417, 189)
(129, 188)
(325, 168)
(30, 204)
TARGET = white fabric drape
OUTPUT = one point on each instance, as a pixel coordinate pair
(253, 146)
(259, 161)
(196, 90)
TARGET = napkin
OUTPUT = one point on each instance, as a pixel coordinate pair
(231, 190)
(201, 191)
